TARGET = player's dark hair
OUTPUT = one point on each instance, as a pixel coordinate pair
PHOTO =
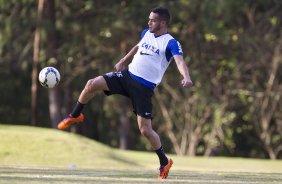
(163, 13)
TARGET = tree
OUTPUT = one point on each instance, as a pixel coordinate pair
(262, 96)
(36, 50)
(51, 55)
(233, 49)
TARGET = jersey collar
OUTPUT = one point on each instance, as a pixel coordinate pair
(156, 36)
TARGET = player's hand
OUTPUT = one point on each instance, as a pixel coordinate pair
(186, 82)
(120, 65)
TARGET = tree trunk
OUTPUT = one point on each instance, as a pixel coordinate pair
(191, 151)
(54, 99)
(54, 107)
(269, 104)
(34, 82)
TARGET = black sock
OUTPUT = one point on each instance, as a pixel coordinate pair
(161, 154)
(77, 109)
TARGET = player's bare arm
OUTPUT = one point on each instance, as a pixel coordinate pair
(183, 69)
(126, 59)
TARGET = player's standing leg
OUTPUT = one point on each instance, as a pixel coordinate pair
(145, 127)
(89, 91)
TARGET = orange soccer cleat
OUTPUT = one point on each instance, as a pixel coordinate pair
(65, 123)
(164, 170)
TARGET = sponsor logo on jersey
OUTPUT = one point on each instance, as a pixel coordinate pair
(144, 53)
(179, 47)
(150, 48)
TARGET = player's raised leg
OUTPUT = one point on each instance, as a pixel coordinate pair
(91, 88)
(145, 127)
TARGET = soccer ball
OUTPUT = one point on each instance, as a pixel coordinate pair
(49, 77)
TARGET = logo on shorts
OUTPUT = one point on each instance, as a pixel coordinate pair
(147, 113)
(111, 74)
(118, 74)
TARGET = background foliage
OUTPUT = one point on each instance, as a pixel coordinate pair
(233, 50)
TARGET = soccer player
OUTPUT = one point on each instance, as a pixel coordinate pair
(149, 61)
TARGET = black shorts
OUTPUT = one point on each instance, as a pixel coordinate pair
(122, 83)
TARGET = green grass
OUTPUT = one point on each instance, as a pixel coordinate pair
(54, 175)
(40, 155)
(23, 145)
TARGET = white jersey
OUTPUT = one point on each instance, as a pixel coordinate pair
(153, 56)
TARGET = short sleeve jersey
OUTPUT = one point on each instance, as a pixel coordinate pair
(154, 56)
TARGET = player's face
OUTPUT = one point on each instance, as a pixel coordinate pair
(154, 23)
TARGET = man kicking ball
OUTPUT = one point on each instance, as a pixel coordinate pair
(149, 61)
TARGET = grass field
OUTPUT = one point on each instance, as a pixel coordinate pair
(38, 155)
(55, 175)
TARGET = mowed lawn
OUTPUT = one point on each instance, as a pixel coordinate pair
(40, 155)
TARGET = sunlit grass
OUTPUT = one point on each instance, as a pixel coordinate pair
(41, 175)
(23, 145)
(32, 147)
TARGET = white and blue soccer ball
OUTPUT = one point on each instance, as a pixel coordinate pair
(49, 77)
